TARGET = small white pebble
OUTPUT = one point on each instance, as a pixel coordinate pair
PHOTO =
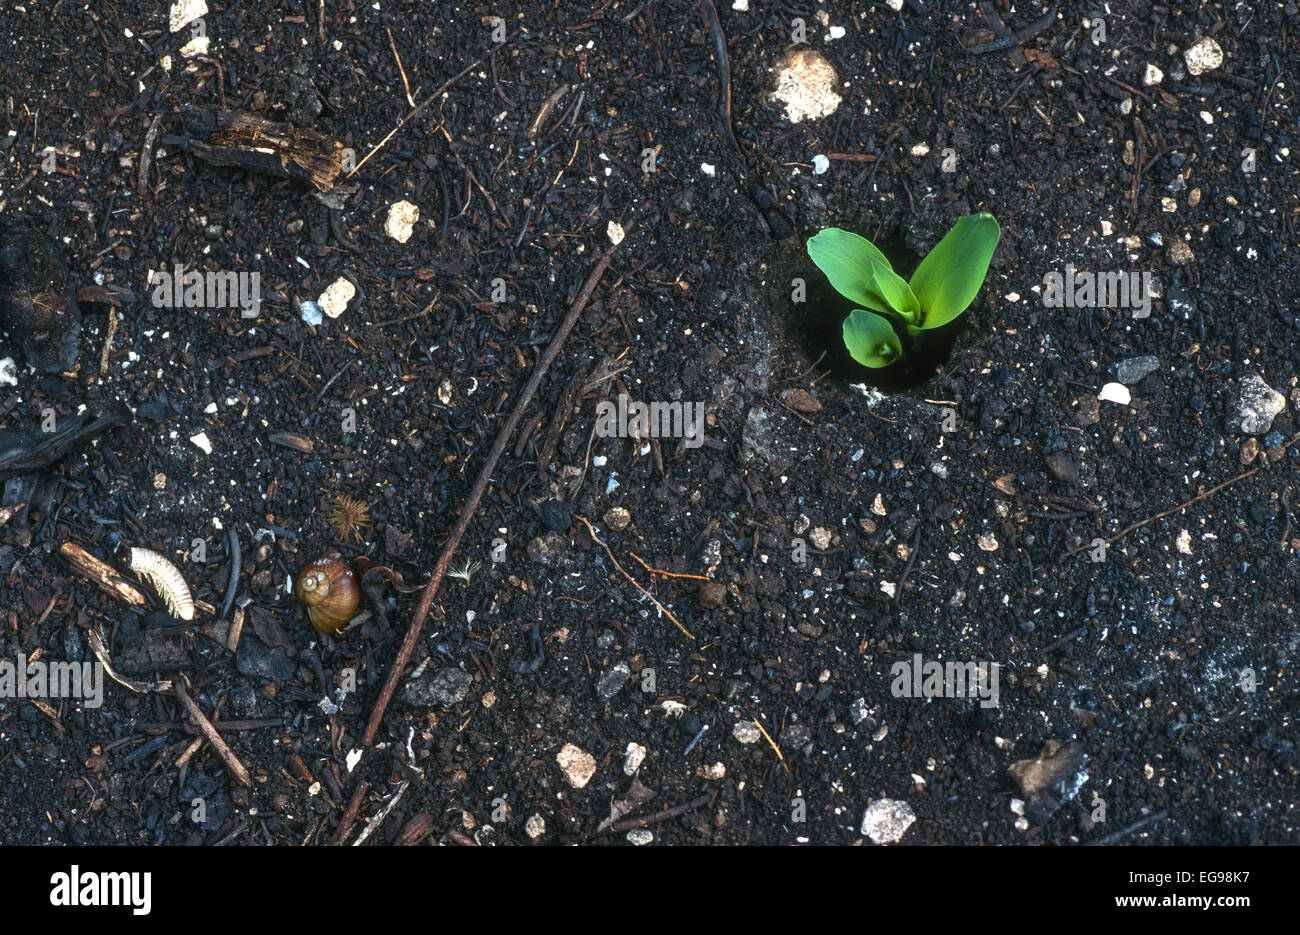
(615, 233)
(708, 169)
(196, 46)
(402, 216)
(184, 12)
(334, 300)
(635, 757)
(740, 6)
(1115, 393)
(835, 32)
(1202, 56)
(987, 542)
(1184, 542)
(200, 441)
(310, 313)
(8, 372)
(1152, 76)
(921, 149)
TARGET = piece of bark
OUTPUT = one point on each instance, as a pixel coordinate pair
(234, 138)
(104, 576)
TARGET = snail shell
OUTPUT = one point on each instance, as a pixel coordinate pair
(328, 588)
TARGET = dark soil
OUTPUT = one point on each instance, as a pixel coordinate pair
(1138, 658)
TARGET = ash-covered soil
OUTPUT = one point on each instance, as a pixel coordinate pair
(955, 520)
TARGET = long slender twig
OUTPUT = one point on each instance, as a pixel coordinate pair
(422, 108)
(203, 724)
(476, 494)
(665, 815)
(1182, 506)
(600, 542)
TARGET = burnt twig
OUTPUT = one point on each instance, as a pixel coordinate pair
(476, 494)
(205, 726)
(1015, 39)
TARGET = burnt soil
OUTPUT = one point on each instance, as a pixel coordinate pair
(1138, 658)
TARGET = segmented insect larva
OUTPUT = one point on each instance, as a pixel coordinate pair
(166, 580)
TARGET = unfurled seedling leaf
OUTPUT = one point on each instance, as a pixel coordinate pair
(943, 286)
(871, 339)
(860, 273)
(950, 276)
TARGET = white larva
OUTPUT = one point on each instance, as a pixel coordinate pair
(166, 580)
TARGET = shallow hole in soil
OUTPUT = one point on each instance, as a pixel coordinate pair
(818, 324)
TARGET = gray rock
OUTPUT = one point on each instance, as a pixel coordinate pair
(444, 687)
(886, 820)
(1132, 371)
(1255, 407)
(1050, 779)
(612, 681)
(256, 660)
(551, 550)
(795, 736)
(1063, 467)
(858, 711)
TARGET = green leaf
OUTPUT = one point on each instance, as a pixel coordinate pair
(871, 339)
(950, 277)
(860, 273)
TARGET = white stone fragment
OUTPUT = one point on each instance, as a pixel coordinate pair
(615, 233)
(535, 827)
(402, 216)
(196, 46)
(184, 12)
(887, 820)
(820, 164)
(334, 300)
(1202, 56)
(1152, 76)
(200, 441)
(8, 372)
(805, 84)
(635, 756)
(578, 765)
(1115, 393)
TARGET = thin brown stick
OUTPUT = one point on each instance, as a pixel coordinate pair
(664, 815)
(1182, 506)
(350, 814)
(779, 755)
(203, 724)
(601, 543)
(405, 84)
(421, 109)
(476, 494)
(669, 574)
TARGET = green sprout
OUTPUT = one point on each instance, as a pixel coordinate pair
(943, 286)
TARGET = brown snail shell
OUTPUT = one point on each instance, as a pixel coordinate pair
(328, 587)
